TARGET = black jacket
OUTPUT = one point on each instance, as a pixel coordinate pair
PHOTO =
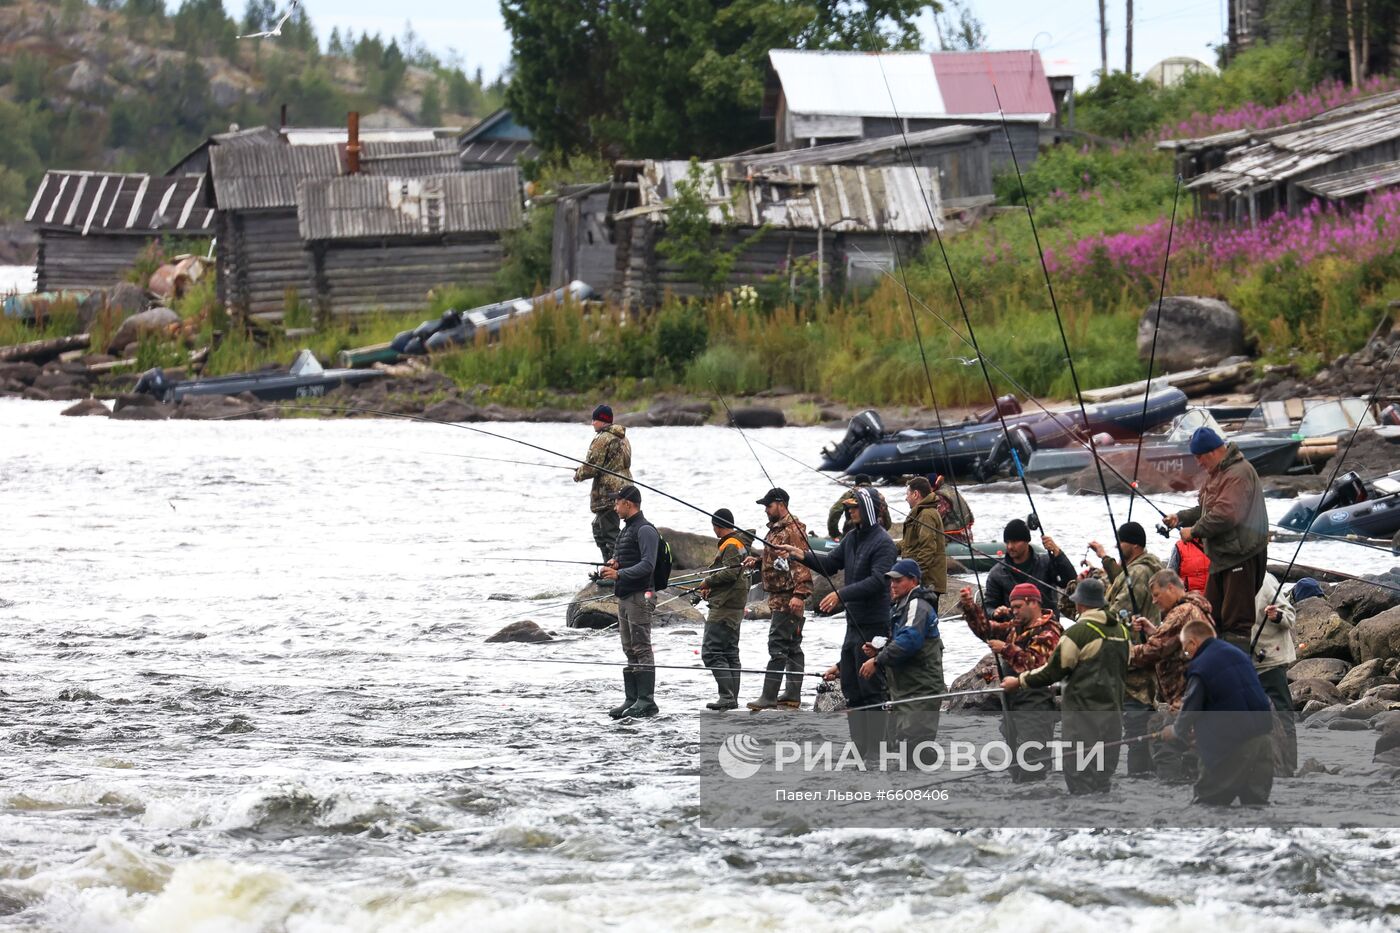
(865, 554)
(635, 555)
(1051, 573)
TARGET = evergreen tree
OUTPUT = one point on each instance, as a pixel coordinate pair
(430, 111)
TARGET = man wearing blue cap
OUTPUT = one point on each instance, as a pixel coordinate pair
(1232, 526)
(912, 658)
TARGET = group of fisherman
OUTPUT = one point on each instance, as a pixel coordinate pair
(1145, 660)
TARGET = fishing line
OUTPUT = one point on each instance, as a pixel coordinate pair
(443, 453)
(735, 425)
(664, 667)
(1152, 356)
(932, 696)
(1332, 479)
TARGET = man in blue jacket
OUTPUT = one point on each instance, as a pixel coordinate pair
(912, 660)
(866, 553)
(1227, 711)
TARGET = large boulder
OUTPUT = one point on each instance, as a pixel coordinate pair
(24, 372)
(526, 631)
(1361, 678)
(982, 676)
(1356, 600)
(1377, 637)
(757, 416)
(114, 304)
(154, 321)
(142, 413)
(1193, 332)
(596, 607)
(1328, 669)
(89, 406)
(1321, 633)
(690, 551)
(451, 409)
(1307, 691)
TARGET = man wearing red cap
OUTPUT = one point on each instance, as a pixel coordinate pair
(609, 464)
(1020, 643)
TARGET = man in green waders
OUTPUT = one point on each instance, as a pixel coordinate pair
(727, 592)
(912, 658)
(1092, 660)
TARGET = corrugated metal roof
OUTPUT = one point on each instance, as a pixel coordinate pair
(266, 177)
(1354, 182)
(360, 206)
(913, 85)
(1301, 149)
(1249, 134)
(800, 197)
(322, 135)
(498, 152)
(854, 151)
(110, 202)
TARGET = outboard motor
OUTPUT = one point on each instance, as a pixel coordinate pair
(1022, 440)
(1347, 490)
(865, 428)
(153, 382)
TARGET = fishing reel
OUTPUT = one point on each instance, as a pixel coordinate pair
(1033, 522)
(1163, 530)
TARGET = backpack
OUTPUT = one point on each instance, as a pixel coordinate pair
(661, 571)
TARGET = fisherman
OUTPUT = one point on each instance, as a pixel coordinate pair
(923, 538)
(1161, 654)
(1227, 713)
(1050, 571)
(1233, 528)
(956, 513)
(788, 585)
(1274, 654)
(1022, 642)
(1092, 659)
(1190, 562)
(608, 464)
(835, 528)
(1124, 603)
(727, 591)
(866, 553)
(912, 660)
(631, 570)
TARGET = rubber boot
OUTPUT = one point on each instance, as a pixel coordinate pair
(728, 699)
(646, 696)
(769, 698)
(629, 680)
(792, 696)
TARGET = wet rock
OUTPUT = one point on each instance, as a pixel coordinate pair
(154, 321)
(1310, 707)
(451, 409)
(982, 675)
(68, 393)
(525, 632)
(829, 698)
(1367, 707)
(1343, 724)
(1309, 691)
(1387, 744)
(675, 417)
(35, 395)
(1291, 487)
(55, 380)
(1190, 331)
(690, 551)
(134, 400)
(213, 407)
(1389, 693)
(1360, 678)
(142, 413)
(1377, 637)
(1321, 633)
(89, 406)
(1355, 600)
(757, 416)
(596, 607)
(822, 585)
(758, 610)
(1328, 669)
(1386, 722)
(19, 372)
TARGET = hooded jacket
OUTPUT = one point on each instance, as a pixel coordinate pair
(865, 554)
(613, 452)
(1230, 520)
(1092, 659)
(923, 542)
(1130, 591)
(1275, 643)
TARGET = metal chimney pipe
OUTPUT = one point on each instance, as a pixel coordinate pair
(352, 145)
(283, 123)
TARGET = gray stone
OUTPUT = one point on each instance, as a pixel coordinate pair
(1328, 669)
(1191, 332)
(451, 409)
(1307, 691)
(690, 551)
(1343, 724)
(1367, 707)
(596, 607)
(1359, 678)
(55, 380)
(1355, 600)
(1377, 636)
(982, 676)
(757, 416)
(1320, 632)
(526, 631)
(142, 413)
(1389, 693)
(89, 406)
(20, 372)
(135, 400)
(1310, 707)
(155, 321)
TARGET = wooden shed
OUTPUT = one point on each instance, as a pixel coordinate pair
(263, 266)
(583, 247)
(840, 225)
(93, 226)
(380, 243)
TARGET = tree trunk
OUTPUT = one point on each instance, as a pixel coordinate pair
(1103, 39)
(40, 351)
(1128, 39)
(1353, 50)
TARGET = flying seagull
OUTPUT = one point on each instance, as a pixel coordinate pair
(275, 31)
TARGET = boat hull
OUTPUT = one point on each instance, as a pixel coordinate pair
(1171, 463)
(272, 387)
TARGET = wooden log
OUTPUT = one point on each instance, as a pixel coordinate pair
(41, 351)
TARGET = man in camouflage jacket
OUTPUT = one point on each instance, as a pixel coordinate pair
(612, 452)
(788, 584)
(1161, 653)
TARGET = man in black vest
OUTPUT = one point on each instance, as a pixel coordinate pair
(632, 567)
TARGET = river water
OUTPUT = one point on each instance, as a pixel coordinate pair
(246, 690)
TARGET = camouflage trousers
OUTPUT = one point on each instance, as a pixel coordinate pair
(606, 526)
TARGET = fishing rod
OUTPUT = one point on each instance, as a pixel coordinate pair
(665, 667)
(735, 425)
(1069, 355)
(1330, 480)
(696, 577)
(932, 696)
(536, 560)
(443, 453)
(984, 771)
(1152, 356)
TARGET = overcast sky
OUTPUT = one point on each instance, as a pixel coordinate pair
(1064, 31)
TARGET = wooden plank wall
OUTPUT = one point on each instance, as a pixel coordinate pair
(388, 275)
(263, 263)
(68, 260)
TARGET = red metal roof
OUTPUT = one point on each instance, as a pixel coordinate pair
(965, 80)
